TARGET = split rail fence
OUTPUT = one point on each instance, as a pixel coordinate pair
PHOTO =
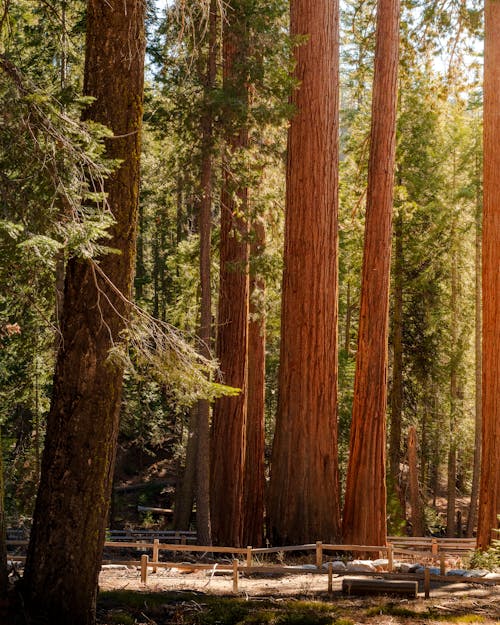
(432, 549)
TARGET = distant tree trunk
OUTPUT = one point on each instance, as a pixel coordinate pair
(417, 513)
(203, 522)
(476, 471)
(397, 346)
(304, 490)
(489, 494)
(140, 271)
(348, 320)
(4, 578)
(67, 537)
(230, 413)
(186, 485)
(454, 398)
(364, 519)
(253, 503)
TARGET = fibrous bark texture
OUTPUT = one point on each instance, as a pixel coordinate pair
(364, 520)
(253, 502)
(489, 493)
(65, 551)
(304, 488)
(229, 416)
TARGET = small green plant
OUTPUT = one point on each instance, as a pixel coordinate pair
(122, 618)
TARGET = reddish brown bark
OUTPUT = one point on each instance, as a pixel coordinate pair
(253, 504)
(304, 488)
(65, 551)
(229, 416)
(489, 493)
(364, 519)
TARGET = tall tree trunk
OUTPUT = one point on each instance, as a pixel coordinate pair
(489, 493)
(186, 486)
(454, 397)
(348, 320)
(4, 577)
(476, 471)
(203, 522)
(230, 413)
(304, 490)
(417, 513)
(364, 519)
(397, 346)
(67, 537)
(253, 503)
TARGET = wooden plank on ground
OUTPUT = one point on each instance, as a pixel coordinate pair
(366, 586)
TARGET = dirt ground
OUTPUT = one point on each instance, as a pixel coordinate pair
(448, 603)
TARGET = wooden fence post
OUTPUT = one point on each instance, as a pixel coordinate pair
(235, 576)
(442, 563)
(390, 557)
(249, 556)
(319, 554)
(330, 578)
(144, 568)
(156, 552)
(427, 582)
(434, 547)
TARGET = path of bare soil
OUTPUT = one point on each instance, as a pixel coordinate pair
(450, 603)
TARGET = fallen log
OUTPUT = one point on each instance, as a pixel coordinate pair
(367, 586)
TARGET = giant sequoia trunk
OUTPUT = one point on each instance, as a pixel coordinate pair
(304, 489)
(489, 494)
(65, 551)
(229, 417)
(364, 520)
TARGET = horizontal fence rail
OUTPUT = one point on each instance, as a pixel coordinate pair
(434, 549)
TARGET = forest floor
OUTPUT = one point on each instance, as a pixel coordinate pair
(197, 599)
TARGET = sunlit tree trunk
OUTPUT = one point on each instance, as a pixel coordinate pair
(253, 503)
(304, 488)
(489, 494)
(364, 520)
(230, 413)
(67, 537)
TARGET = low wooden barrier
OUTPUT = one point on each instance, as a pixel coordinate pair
(435, 549)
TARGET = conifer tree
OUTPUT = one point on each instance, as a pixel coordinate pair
(304, 458)
(364, 519)
(67, 538)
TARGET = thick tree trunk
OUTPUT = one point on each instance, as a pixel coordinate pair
(397, 346)
(476, 471)
(65, 550)
(253, 503)
(489, 494)
(304, 489)
(203, 522)
(417, 513)
(230, 413)
(364, 519)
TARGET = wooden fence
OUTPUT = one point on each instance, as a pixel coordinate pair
(434, 549)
